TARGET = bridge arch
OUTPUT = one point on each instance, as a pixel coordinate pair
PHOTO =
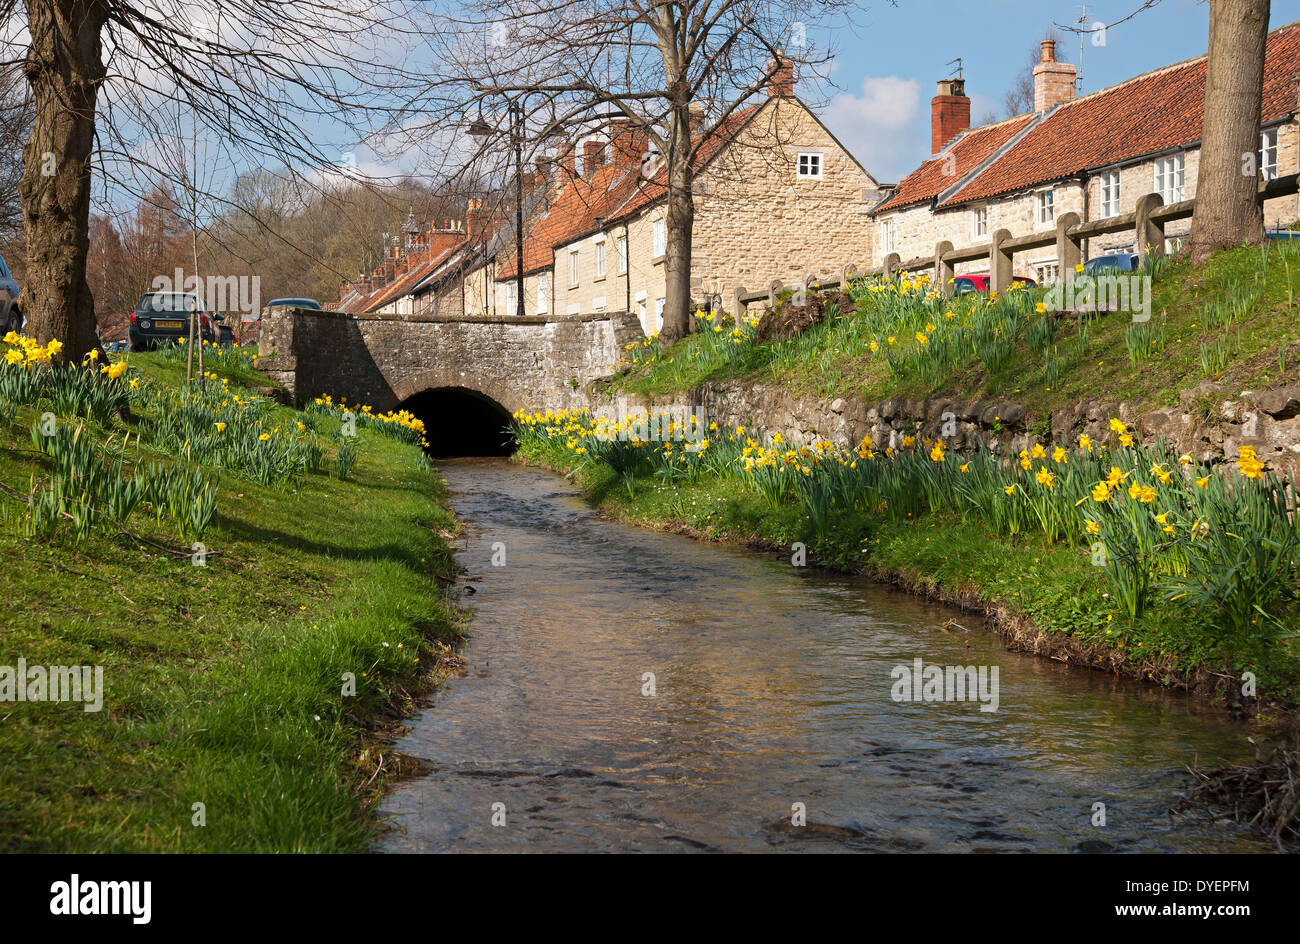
(459, 420)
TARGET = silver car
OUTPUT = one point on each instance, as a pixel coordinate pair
(11, 319)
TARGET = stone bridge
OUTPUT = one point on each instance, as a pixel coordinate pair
(386, 360)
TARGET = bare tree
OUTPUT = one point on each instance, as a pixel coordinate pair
(568, 66)
(261, 79)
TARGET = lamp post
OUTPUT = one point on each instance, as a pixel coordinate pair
(481, 129)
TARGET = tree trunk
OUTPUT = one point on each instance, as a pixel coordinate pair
(678, 229)
(64, 68)
(1227, 212)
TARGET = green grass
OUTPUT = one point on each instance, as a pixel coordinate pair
(223, 682)
(1260, 347)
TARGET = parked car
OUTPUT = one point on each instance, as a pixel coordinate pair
(980, 283)
(1114, 262)
(294, 303)
(1284, 234)
(11, 319)
(164, 316)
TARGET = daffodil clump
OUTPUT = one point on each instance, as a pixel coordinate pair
(722, 340)
(221, 427)
(28, 374)
(1222, 538)
(400, 424)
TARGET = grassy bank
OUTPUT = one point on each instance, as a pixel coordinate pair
(1230, 322)
(1148, 593)
(223, 684)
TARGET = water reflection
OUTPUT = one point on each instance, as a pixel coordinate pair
(772, 687)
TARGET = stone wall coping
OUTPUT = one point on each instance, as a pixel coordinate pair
(461, 319)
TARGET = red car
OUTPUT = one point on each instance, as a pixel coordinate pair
(980, 283)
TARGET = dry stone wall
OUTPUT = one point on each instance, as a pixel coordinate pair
(1208, 423)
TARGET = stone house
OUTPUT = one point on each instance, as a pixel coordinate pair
(776, 196)
(1095, 156)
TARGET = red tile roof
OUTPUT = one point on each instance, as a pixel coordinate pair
(962, 156)
(575, 212)
(1159, 111)
(113, 327)
(356, 302)
(403, 284)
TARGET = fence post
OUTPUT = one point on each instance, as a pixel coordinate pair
(1069, 249)
(772, 291)
(891, 264)
(943, 270)
(1150, 234)
(848, 272)
(742, 308)
(999, 262)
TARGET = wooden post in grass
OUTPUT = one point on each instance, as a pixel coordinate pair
(1150, 234)
(999, 262)
(942, 269)
(1069, 249)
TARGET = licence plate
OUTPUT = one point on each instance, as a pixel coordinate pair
(167, 324)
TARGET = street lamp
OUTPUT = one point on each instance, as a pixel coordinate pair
(481, 129)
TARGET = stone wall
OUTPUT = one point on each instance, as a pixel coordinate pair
(1208, 423)
(532, 363)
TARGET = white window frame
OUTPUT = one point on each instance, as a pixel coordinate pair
(512, 288)
(600, 259)
(660, 304)
(1045, 202)
(1109, 194)
(598, 303)
(573, 267)
(621, 244)
(979, 222)
(808, 165)
(659, 238)
(1048, 273)
(1168, 178)
(1268, 154)
(543, 302)
(888, 236)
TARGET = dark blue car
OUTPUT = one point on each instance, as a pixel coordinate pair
(1115, 262)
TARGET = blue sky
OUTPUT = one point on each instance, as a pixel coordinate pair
(887, 67)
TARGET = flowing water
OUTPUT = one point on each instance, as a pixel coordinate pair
(772, 687)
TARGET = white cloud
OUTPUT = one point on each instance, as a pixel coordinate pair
(881, 126)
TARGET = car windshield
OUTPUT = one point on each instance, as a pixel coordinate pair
(167, 301)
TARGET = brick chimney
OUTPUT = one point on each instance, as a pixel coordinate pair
(440, 240)
(567, 172)
(476, 219)
(1053, 81)
(593, 155)
(782, 81)
(949, 113)
(697, 118)
(628, 144)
